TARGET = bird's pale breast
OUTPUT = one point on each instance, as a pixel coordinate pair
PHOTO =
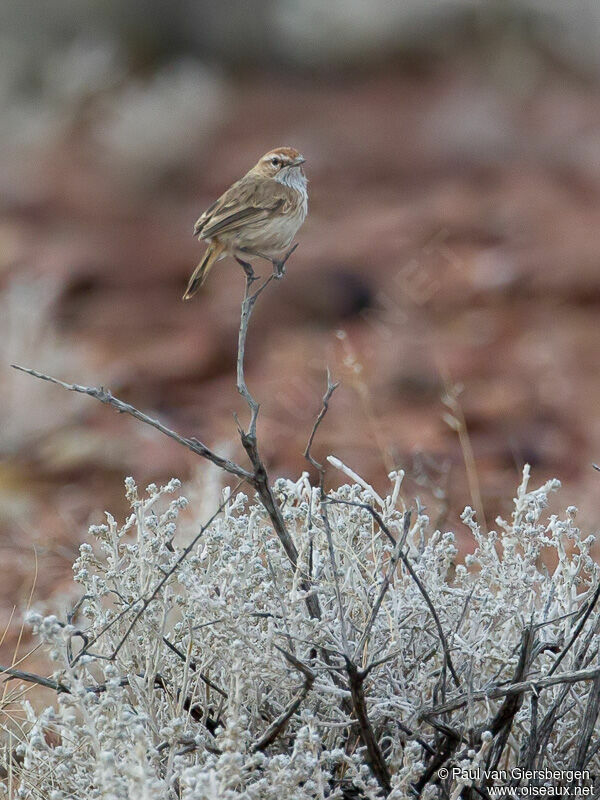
(273, 235)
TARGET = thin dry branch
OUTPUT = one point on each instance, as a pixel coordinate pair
(376, 758)
(336, 582)
(331, 387)
(105, 396)
(30, 677)
(259, 477)
(449, 743)
(248, 303)
(501, 723)
(531, 740)
(159, 682)
(356, 677)
(497, 692)
(193, 666)
(512, 702)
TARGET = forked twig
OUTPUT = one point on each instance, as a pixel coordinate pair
(248, 303)
(331, 387)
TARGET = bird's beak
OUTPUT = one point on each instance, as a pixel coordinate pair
(299, 160)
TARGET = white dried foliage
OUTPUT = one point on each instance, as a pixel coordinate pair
(153, 724)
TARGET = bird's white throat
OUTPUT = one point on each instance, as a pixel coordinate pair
(292, 177)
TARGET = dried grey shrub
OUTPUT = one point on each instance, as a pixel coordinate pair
(226, 687)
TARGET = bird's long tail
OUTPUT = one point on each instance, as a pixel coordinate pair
(213, 253)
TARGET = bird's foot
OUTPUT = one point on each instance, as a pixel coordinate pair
(278, 269)
(279, 266)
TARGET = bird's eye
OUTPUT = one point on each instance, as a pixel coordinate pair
(275, 161)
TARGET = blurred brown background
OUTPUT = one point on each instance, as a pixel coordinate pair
(453, 240)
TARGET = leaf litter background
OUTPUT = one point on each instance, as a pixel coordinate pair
(453, 239)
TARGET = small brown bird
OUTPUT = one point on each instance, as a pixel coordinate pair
(258, 216)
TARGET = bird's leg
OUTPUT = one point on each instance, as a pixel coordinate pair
(279, 265)
(247, 267)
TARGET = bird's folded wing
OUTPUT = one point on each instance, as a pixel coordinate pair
(239, 206)
(229, 222)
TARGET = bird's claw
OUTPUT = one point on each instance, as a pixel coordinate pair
(279, 266)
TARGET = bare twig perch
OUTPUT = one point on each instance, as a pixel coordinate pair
(260, 478)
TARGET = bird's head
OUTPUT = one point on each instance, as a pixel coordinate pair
(282, 164)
